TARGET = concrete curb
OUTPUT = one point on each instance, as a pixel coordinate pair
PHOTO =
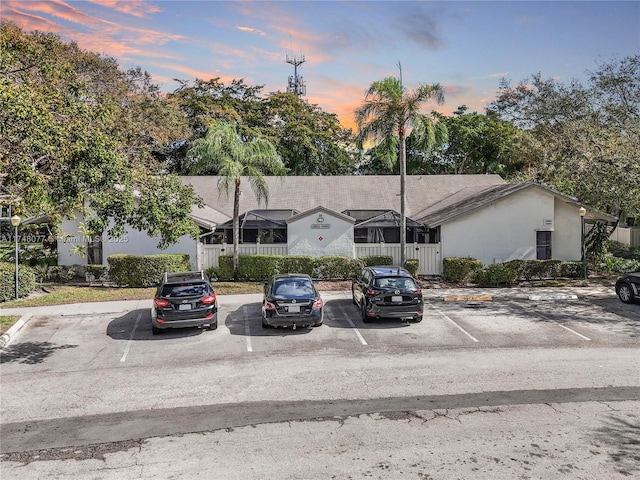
(9, 335)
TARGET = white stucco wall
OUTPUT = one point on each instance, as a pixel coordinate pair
(333, 236)
(506, 230)
(134, 242)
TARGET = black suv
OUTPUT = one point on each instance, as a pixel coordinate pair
(387, 292)
(184, 299)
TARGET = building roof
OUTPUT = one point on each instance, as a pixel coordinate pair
(470, 199)
(337, 193)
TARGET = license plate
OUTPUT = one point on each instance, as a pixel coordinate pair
(396, 299)
(294, 309)
(184, 306)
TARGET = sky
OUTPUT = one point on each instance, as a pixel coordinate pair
(466, 47)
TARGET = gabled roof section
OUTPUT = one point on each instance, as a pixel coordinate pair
(357, 192)
(207, 217)
(320, 210)
(470, 199)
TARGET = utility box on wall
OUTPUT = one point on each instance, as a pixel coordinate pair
(320, 231)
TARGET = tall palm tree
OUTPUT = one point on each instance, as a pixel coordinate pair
(389, 111)
(224, 152)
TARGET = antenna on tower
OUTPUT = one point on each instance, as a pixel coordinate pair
(296, 82)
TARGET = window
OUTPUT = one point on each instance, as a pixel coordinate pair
(543, 245)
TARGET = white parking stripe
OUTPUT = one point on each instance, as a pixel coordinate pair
(560, 325)
(247, 330)
(454, 323)
(357, 332)
(133, 332)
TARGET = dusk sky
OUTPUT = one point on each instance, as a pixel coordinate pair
(467, 47)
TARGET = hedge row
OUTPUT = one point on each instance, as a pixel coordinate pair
(144, 270)
(26, 281)
(260, 267)
(508, 273)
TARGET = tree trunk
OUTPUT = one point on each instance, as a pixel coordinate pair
(236, 231)
(403, 195)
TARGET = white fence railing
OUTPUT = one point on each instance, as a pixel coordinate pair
(428, 255)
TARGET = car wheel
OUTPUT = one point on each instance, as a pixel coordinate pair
(265, 324)
(417, 319)
(625, 293)
(319, 324)
(353, 296)
(156, 330)
(363, 312)
(213, 326)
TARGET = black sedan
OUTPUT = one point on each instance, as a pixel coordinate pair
(291, 300)
(387, 292)
(628, 287)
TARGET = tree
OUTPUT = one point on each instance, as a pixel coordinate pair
(388, 111)
(309, 140)
(224, 152)
(77, 132)
(480, 144)
(584, 137)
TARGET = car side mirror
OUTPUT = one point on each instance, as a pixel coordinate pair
(213, 279)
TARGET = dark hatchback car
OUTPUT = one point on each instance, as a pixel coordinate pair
(291, 300)
(184, 299)
(387, 292)
(628, 287)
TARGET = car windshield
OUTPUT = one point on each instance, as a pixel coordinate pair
(184, 290)
(293, 288)
(401, 283)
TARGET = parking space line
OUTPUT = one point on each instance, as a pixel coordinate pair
(560, 325)
(454, 323)
(357, 332)
(133, 332)
(247, 330)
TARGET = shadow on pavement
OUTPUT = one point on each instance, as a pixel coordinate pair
(122, 328)
(30, 353)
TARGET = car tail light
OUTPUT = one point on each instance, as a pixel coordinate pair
(419, 291)
(420, 313)
(373, 292)
(209, 299)
(160, 302)
(317, 304)
(269, 306)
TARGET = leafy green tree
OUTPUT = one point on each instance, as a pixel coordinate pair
(309, 140)
(76, 132)
(584, 137)
(480, 144)
(223, 151)
(388, 112)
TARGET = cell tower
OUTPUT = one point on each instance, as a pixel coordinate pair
(296, 82)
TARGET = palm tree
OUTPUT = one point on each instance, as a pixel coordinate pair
(223, 151)
(388, 112)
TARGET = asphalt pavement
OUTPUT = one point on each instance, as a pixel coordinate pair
(429, 294)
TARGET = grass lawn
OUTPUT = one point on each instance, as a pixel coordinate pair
(61, 294)
(6, 321)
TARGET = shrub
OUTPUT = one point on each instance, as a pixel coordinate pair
(496, 275)
(61, 273)
(375, 260)
(144, 270)
(413, 266)
(96, 272)
(456, 269)
(261, 267)
(26, 281)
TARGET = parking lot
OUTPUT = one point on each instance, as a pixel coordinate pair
(518, 322)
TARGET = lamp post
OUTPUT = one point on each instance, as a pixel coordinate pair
(15, 221)
(582, 212)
